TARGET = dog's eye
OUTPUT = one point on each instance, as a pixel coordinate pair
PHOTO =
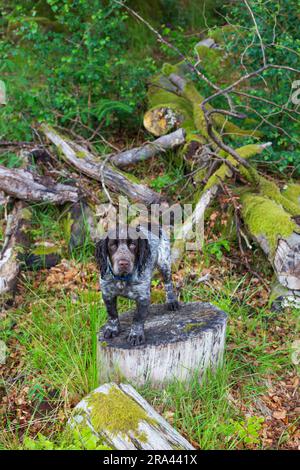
(132, 246)
(113, 246)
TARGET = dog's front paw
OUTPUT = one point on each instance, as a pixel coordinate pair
(136, 336)
(173, 305)
(112, 329)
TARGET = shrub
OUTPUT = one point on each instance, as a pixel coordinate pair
(69, 63)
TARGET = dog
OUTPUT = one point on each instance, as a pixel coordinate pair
(127, 258)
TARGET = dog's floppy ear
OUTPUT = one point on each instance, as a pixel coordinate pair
(101, 255)
(143, 253)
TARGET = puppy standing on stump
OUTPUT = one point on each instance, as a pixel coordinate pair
(127, 258)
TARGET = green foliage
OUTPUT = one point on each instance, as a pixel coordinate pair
(245, 431)
(161, 181)
(75, 66)
(216, 249)
(10, 160)
(279, 28)
(72, 440)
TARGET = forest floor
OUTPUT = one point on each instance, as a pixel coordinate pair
(251, 402)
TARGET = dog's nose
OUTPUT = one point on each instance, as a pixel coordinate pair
(123, 263)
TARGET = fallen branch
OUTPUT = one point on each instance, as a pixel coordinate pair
(88, 165)
(24, 185)
(162, 144)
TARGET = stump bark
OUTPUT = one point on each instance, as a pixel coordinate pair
(178, 345)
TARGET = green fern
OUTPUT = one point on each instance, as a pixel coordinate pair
(106, 107)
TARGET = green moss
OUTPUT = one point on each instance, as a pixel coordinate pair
(181, 68)
(193, 326)
(232, 128)
(117, 413)
(222, 34)
(26, 214)
(219, 175)
(129, 176)
(67, 226)
(46, 250)
(292, 192)
(157, 296)
(80, 154)
(192, 95)
(247, 151)
(269, 189)
(266, 218)
(166, 99)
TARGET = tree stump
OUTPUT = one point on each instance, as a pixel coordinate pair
(178, 345)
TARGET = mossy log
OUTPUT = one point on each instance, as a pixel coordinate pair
(277, 233)
(24, 185)
(174, 101)
(179, 345)
(123, 420)
(85, 162)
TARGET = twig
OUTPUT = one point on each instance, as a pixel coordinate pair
(103, 179)
(257, 32)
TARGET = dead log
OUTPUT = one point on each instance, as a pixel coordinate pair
(24, 185)
(124, 420)
(149, 150)
(84, 162)
(179, 345)
(281, 297)
(16, 242)
(175, 102)
(278, 235)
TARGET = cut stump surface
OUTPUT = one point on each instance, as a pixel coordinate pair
(178, 345)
